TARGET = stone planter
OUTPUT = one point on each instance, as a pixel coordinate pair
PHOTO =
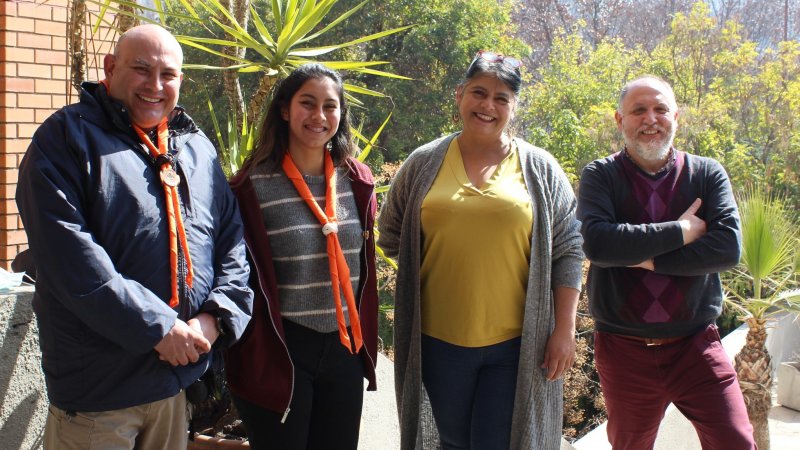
(789, 385)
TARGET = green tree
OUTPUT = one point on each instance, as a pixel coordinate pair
(570, 109)
(737, 99)
(775, 138)
(714, 127)
(686, 55)
(435, 53)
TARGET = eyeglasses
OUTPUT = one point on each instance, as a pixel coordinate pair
(493, 57)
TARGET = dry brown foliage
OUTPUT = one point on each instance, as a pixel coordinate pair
(584, 407)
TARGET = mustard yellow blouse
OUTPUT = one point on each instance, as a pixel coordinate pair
(475, 255)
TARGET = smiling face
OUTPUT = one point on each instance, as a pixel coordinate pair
(486, 106)
(144, 74)
(313, 114)
(647, 118)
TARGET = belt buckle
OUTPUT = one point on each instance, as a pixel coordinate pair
(653, 342)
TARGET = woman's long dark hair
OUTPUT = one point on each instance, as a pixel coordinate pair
(273, 139)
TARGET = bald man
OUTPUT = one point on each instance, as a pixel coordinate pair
(659, 224)
(138, 246)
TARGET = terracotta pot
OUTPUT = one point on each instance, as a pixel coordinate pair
(203, 442)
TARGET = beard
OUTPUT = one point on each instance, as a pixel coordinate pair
(653, 151)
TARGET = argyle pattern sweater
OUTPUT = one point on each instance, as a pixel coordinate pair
(629, 216)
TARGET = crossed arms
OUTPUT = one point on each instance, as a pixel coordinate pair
(704, 239)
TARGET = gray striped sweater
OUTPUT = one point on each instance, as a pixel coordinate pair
(299, 248)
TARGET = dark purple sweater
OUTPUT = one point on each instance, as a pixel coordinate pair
(629, 216)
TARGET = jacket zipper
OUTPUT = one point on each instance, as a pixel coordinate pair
(286, 347)
(185, 307)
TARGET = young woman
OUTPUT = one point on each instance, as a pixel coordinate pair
(308, 207)
(490, 269)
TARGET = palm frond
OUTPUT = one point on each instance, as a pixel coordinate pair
(788, 301)
(371, 142)
(769, 255)
(768, 236)
(379, 251)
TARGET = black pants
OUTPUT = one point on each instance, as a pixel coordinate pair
(326, 402)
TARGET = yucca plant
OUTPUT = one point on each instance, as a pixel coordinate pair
(236, 145)
(282, 43)
(769, 268)
(283, 39)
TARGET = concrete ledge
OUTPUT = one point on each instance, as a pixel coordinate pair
(24, 402)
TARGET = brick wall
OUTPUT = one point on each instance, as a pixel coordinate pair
(33, 84)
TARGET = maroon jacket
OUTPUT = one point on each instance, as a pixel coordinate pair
(258, 367)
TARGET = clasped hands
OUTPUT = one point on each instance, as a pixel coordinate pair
(186, 341)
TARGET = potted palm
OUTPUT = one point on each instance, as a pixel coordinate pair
(764, 283)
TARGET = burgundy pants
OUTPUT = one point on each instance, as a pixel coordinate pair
(695, 374)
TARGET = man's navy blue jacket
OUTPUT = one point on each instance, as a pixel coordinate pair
(93, 207)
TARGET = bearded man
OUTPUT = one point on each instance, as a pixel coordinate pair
(659, 224)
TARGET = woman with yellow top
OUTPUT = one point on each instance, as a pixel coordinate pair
(484, 229)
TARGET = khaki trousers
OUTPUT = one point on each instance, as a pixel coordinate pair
(160, 425)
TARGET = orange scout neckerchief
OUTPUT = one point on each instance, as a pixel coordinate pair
(340, 273)
(170, 181)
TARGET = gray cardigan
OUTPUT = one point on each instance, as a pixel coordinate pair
(556, 258)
